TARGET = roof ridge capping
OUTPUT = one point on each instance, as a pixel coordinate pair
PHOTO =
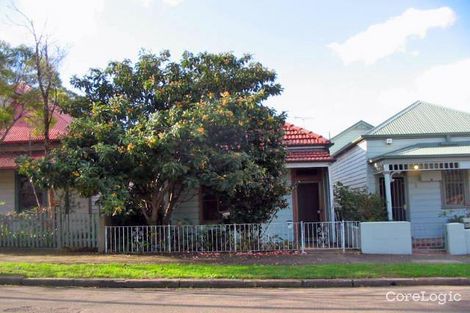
(422, 118)
(392, 118)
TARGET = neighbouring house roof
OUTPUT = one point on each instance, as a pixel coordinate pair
(23, 132)
(423, 119)
(347, 137)
(8, 159)
(435, 150)
(297, 136)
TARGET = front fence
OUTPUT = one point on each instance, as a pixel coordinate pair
(43, 230)
(232, 237)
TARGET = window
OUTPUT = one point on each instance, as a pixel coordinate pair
(25, 193)
(455, 188)
(210, 206)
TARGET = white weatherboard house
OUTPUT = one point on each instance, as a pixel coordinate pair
(418, 161)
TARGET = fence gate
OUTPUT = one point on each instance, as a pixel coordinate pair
(428, 235)
(74, 231)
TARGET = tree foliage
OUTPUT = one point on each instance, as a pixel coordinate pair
(16, 75)
(358, 205)
(145, 134)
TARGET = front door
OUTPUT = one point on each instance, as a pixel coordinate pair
(398, 197)
(308, 202)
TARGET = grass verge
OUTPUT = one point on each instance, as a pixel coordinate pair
(364, 270)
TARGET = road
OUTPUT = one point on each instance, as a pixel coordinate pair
(68, 300)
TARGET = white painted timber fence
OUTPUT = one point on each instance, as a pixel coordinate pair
(232, 237)
(73, 231)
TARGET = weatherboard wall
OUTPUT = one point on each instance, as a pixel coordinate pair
(350, 167)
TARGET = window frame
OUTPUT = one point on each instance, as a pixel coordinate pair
(18, 202)
(466, 191)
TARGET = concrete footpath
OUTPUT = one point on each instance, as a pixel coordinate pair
(232, 283)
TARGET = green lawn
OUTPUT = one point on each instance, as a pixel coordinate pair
(233, 271)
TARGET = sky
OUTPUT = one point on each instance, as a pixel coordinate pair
(338, 61)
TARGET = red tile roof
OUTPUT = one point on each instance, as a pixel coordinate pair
(297, 136)
(309, 156)
(23, 131)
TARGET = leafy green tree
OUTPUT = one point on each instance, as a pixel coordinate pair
(16, 74)
(358, 205)
(146, 133)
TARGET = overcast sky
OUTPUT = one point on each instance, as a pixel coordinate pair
(338, 61)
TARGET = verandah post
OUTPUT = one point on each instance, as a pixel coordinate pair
(302, 237)
(388, 194)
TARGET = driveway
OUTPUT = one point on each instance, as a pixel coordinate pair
(68, 300)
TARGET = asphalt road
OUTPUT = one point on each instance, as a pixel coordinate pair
(65, 300)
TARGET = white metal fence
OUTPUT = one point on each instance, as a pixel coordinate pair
(232, 237)
(74, 231)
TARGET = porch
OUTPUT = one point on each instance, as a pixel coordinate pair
(424, 189)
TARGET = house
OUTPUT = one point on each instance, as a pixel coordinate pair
(418, 161)
(308, 163)
(16, 191)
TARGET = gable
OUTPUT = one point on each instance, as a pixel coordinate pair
(298, 136)
(348, 136)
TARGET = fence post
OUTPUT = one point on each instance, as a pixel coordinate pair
(102, 236)
(168, 236)
(235, 237)
(343, 245)
(302, 237)
(105, 240)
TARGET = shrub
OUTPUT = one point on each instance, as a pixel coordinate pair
(355, 204)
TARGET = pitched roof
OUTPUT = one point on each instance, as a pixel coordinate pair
(348, 136)
(23, 132)
(297, 136)
(432, 150)
(422, 118)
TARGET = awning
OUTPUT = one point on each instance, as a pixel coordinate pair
(8, 159)
(436, 156)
